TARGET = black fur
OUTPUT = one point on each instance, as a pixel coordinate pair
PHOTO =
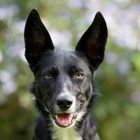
(55, 70)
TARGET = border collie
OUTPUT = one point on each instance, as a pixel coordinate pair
(63, 85)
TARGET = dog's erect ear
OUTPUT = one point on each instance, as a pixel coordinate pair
(93, 42)
(37, 38)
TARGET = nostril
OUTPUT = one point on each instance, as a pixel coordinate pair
(69, 103)
(64, 104)
(59, 102)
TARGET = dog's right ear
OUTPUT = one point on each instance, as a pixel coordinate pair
(93, 41)
(37, 38)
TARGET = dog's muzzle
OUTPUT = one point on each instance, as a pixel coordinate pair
(64, 116)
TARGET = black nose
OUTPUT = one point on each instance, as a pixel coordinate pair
(64, 104)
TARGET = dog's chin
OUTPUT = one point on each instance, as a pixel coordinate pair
(64, 120)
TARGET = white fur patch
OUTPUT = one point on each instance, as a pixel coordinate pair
(66, 134)
(66, 94)
(70, 132)
(80, 116)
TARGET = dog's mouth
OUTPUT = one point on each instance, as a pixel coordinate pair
(64, 119)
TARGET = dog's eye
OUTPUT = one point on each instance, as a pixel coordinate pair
(51, 74)
(48, 76)
(78, 75)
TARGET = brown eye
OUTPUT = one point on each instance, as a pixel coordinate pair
(48, 76)
(78, 75)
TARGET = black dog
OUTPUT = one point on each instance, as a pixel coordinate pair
(63, 86)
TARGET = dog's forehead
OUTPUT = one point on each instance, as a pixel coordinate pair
(62, 58)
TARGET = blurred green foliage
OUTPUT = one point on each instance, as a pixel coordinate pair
(117, 110)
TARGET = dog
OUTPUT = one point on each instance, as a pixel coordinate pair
(63, 87)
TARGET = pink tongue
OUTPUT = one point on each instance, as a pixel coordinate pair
(64, 120)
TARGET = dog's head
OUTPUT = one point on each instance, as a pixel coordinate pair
(63, 80)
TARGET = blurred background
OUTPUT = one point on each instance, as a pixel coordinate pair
(117, 111)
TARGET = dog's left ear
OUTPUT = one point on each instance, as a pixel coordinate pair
(93, 42)
(37, 38)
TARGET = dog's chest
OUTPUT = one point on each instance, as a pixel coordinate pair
(66, 134)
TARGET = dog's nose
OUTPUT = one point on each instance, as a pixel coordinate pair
(64, 104)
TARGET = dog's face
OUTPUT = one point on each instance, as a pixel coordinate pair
(64, 79)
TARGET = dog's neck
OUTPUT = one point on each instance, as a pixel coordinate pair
(66, 134)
